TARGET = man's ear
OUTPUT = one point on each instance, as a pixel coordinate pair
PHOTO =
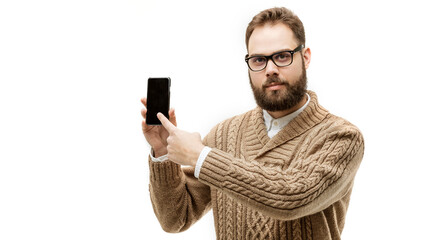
(307, 57)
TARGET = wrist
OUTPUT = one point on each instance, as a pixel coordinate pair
(197, 155)
(159, 152)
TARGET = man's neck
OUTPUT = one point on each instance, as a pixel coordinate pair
(279, 114)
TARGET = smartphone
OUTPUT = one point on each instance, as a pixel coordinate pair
(158, 99)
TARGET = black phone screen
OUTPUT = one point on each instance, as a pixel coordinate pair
(158, 96)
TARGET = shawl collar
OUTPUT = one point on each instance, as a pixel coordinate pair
(311, 116)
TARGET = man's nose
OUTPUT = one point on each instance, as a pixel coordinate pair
(271, 68)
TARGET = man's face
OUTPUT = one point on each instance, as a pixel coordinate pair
(278, 88)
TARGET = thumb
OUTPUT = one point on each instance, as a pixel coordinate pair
(172, 116)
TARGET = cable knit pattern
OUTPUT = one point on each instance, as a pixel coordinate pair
(296, 185)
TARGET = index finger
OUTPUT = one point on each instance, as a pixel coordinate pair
(165, 122)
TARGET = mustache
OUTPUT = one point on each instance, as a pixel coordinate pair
(274, 80)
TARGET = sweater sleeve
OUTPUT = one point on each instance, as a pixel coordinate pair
(319, 177)
(178, 198)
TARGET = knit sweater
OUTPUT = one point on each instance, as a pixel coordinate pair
(296, 185)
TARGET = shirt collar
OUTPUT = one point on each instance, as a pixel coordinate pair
(274, 124)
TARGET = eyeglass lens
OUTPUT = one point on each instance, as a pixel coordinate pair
(281, 59)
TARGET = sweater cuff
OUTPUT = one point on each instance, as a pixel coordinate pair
(215, 168)
(164, 173)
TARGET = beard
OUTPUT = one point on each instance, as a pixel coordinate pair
(282, 99)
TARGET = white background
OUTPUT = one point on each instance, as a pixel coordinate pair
(73, 161)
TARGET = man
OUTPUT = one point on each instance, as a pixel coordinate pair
(283, 170)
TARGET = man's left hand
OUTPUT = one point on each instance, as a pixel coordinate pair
(183, 147)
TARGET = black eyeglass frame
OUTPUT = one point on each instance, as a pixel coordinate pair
(270, 57)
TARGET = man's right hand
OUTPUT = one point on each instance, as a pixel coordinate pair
(155, 135)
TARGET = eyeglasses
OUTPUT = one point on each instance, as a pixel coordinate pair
(281, 59)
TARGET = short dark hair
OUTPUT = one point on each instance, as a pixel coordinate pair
(274, 16)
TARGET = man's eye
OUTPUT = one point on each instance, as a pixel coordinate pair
(284, 56)
(258, 60)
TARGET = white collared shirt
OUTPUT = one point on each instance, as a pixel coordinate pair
(273, 126)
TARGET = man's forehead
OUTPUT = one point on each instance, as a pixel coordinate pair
(270, 38)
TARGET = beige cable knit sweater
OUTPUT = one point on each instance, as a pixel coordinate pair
(296, 185)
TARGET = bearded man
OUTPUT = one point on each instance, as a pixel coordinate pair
(284, 170)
